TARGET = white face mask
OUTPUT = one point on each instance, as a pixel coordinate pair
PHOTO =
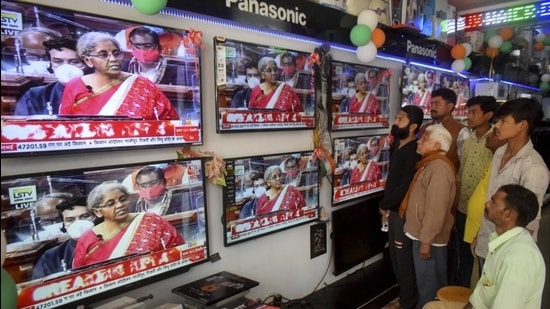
(66, 72)
(253, 81)
(77, 228)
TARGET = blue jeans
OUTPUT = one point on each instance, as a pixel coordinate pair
(431, 274)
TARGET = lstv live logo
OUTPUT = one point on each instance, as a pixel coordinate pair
(12, 23)
(22, 197)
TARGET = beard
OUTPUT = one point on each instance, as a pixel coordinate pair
(399, 133)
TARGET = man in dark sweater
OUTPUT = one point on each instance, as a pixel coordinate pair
(401, 171)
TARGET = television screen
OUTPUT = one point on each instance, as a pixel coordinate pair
(44, 217)
(362, 164)
(53, 100)
(360, 96)
(262, 87)
(356, 234)
(270, 193)
(418, 82)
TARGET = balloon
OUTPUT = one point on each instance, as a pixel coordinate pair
(495, 41)
(458, 65)
(468, 48)
(378, 37)
(368, 18)
(489, 34)
(149, 7)
(543, 86)
(491, 52)
(458, 51)
(9, 291)
(506, 33)
(545, 77)
(467, 63)
(366, 53)
(506, 47)
(3, 247)
(539, 46)
(546, 41)
(540, 37)
(360, 35)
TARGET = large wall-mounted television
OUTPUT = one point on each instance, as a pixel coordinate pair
(33, 227)
(32, 121)
(362, 164)
(360, 96)
(262, 87)
(418, 82)
(356, 234)
(269, 193)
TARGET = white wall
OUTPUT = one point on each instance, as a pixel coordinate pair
(280, 262)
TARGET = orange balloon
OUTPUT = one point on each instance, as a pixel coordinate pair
(378, 37)
(458, 51)
(506, 33)
(539, 46)
(491, 52)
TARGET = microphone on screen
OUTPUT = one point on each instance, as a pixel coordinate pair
(99, 237)
(90, 89)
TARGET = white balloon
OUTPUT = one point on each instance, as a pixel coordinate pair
(468, 48)
(540, 37)
(369, 18)
(367, 52)
(458, 65)
(495, 41)
(545, 77)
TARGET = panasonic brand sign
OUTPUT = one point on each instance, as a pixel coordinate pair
(420, 50)
(269, 10)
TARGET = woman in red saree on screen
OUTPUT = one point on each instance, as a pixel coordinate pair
(364, 101)
(278, 195)
(110, 91)
(121, 233)
(271, 93)
(365, 170)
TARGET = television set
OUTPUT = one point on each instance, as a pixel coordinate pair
(356, 234)
(33, 225)
(362, 164)
(36, 126)
(269, 193)
(418, 82)
(351, 110)
(283, 98)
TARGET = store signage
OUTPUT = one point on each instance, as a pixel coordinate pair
(289, 15)
(420, 50)
(526, 13)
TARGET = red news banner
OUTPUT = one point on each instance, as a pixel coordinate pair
(246, 119)
(22, 135)
(86, 283)
(350, 121)
(349, 192)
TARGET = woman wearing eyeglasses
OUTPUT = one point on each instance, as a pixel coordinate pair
(121, 233)
(279, 196)
(109, 90)
(271, 93)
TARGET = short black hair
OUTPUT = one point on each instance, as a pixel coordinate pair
(151, 169)
(523, 201)
(414, 114)
(521, 109)
(59, 43)
(487, 103)
(447, 95)
(70, 203)
(142, 30)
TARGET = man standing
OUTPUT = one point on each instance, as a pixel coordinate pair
(427, 209)
(401, 171)
(517, 162)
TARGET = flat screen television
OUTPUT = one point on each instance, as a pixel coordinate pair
(31, 122)
(269, 193)
(356, 234)
(262, 87)
(360, 96)
(33, 225)
(418, 82)
(362, 164)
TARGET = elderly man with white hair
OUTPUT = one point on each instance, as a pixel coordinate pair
(427, 210)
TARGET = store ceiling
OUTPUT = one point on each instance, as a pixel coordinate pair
(473, 5)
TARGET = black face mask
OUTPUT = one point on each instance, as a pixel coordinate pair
(400, 133)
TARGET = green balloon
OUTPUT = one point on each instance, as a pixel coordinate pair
(9, 291)
(543, 86)
(506, 47)
(489, 34)
(360, 35)
(467, 63)
(149, 7)
(547, 41)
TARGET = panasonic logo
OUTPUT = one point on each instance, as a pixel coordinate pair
(269, 10)
(420, 50)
